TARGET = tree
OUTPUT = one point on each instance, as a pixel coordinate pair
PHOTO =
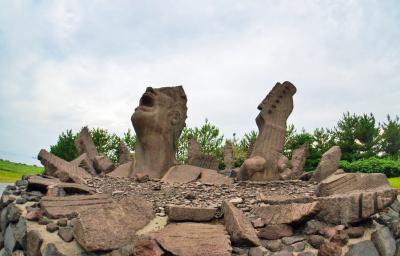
(390, 137)
(106, 143)
(130, 140)
(241, 149)
(65, 147)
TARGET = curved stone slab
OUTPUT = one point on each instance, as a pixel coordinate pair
(182, 174)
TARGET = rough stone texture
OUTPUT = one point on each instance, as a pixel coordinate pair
(355, 232)
(212, 177)
(147, 247)
(10, 241)
(384, 241)
(316, 241)
(51, 250)
(158, 122)
(330, 249)
(103, 164)
(286, 214)
(182, 174)
(194, 214)
(84, 144)
(70, 206)
(119, 220)
(348, 182)
(57, 167)
(271, 122)
(66, 234)
(328, 164)
(37, 183)
(194, 239)
(228, 155)
(34, 242)
(355, 206)
(239, 227)
(84, 162)
(194, 151)
(273, 232)
(124, 153)
(364, 248)
(299, 157)
(124, 170)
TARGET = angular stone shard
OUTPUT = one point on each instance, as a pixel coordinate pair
(228, 155)
(283, 198)
(158, 122)
(328, 164)
(84, 144)
(71, 206)
(124, 170)
(59, 168)
(113, 226)
(37, 183)
(271, 122)
(211, 177)
(194, 239)
(239, 227)
(364, 248)
(124, 153)
(194, 151)
(299, 157)
(102, 164)
(84, 162)
(194, 214)
(182, 174)
(287, 213)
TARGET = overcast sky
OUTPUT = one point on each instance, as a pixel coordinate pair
(66, 64)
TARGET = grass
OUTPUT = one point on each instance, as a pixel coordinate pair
(395, 182)
(10, 172)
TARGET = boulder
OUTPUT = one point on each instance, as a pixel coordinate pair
(117, 220)
(212, 177)
(273, 232)
(182, 174)
(124, 170)
(328, 164)
(384, 241)
(103, 164)
(84, 144)
(194, 239)
(330, 249)
(70, 206)
(57, 167)
(194, 214)
(238, 226)
(364, 248)
(10, 241)
(84, 162)
(286, 213)
(34, 242)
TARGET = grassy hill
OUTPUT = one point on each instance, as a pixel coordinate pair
(10, 172)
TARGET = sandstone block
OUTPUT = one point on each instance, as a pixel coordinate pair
(182, 174)
(194, 214)
(328, 164)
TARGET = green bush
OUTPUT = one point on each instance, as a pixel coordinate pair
(373, 165)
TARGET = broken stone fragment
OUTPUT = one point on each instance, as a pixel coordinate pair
(84, 162)
(84, 144)
(38, 183)
(194, 214)
(103, 164)
(211, 177)
(238, 226)
(124, 170)
(273, 232)
(195, 239)
(124, 153)
(182, 174)
(328, 164)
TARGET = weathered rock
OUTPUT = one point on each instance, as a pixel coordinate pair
(211, 177)
(158, 122)
(283, 199)
(328, 164)
(194, 214)
(316, 241)
(103, 164)
(20, 232)
(124, 170)
(228, 155)
(42, 184)
(271, 122)
(34, 242)
(258, 251)
(84, 162)
(340, 238)
(299, 157)
(66, 234)
(272, 245)
(10, 241)
(57, 167)
(363, 248)
(286, 214)
(273, 232)
(147, 247)
(120, 220)
(384, 241)
(52, 250)
(194, 151)
(330, 249)
(13, 213)
(124, 153)
(313, 226)
(182, 174)
(70, 206)
(194, 239)
(355, 232)
(239, 227)
(62, 222)
(293, 239)
(52, 227)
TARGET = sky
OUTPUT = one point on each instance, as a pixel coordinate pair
(66, 64)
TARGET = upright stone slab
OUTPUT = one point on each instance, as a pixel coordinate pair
(299, 157)
(182, 174)
(194, 151)
(57, 167)
(328, 164)
(112, 226)
(158, 122)
(194, 239)
(228, 155)
(239, 227)
(84, 162)
(271, 122)
(84, 144)
(124, 153)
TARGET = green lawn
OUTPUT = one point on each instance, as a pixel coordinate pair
(395, 182)
(10, 172)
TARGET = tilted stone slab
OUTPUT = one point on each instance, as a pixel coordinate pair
(239, 227)
(103, 164)
(62, 169)
(212, 177)
(124, 153)
(84, 162)
(194, 214)
(348, 182)
(124, 170)
(71, 206)
(42, 184)
(182, 174)
(84, 144)
(328, 164)
(194, 239)
(286, 213)
(112, 226)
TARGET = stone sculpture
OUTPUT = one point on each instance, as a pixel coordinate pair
(228, 155)
(158, 122)
(124, 153)
(271, 122)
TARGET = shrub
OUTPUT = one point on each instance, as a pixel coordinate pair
(373, 165)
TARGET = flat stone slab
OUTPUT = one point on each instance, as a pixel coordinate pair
(112, 226)
(194, 239)
(239, 227)
(124, 170)
(212, 177)
(283, 198)
(62, 169)
(71, 206)
(42, 184)
(182, 174)
(195, 214)
(286, 213)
